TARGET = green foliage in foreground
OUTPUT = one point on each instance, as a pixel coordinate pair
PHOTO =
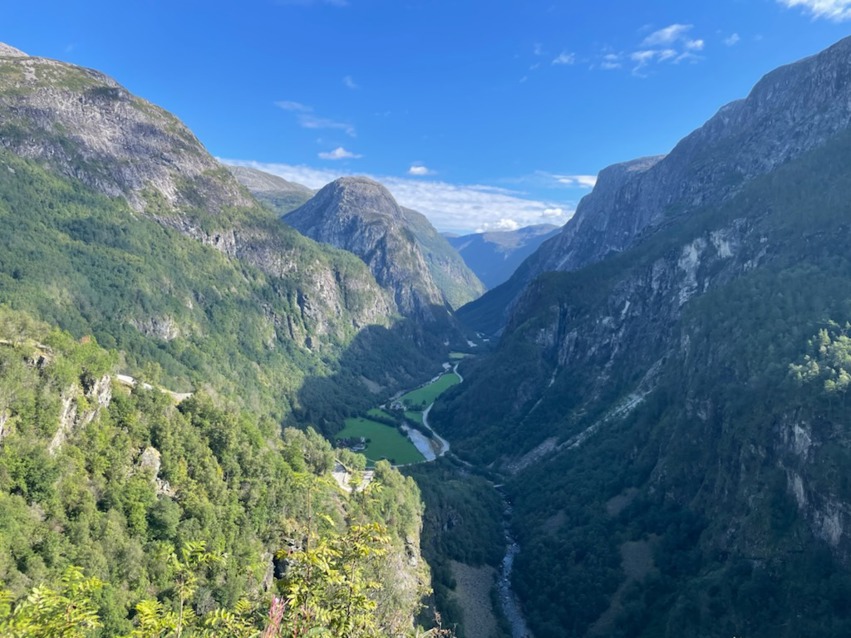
(462, 522)
(134, 484)
(384, 442)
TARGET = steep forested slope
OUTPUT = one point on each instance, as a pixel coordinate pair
(121, 225)
(671, 420)
(118, 482)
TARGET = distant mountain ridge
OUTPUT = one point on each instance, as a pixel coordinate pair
(400, 246)
(280, 195)
(495, 255)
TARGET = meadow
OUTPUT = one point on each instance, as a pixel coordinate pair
(385, 442)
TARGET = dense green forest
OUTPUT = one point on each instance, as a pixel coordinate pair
(182, 507)
(183, 313)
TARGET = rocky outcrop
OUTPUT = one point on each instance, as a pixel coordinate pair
(79, 407)
(400, 247)
(85, 126)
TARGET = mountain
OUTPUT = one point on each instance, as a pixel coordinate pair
(400, 246)
(494, 256)
(121, 225)
(792, 110)
(668, 410)
(276, 192)
(126, 248)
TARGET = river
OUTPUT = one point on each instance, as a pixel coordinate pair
(507, 598)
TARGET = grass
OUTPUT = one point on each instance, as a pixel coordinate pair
(384, 442)
(425, 396)
(416, 417)
(457, 356)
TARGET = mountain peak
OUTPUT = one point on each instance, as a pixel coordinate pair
(7, 51)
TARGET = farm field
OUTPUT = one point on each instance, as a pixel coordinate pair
(385, 442)
(423, 397)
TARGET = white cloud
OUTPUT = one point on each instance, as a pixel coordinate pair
(310, 120)
(611, 61)
(501, 224)
(450, 207)
(565, 58)
(836, 10)
(667, 36)
(297, 107)
(732, 40)
(339, 153)
(672, 44)
(349, 83)
(538, 49)
(419, 170)
(582, 181)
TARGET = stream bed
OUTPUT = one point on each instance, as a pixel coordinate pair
(507, 598)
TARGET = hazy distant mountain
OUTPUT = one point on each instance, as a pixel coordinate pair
(494, 256)
(402, 249)
(279, 194)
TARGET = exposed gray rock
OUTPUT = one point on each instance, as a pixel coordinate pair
(790, 111)
(360, 215)
(87, 127)
(7, 51)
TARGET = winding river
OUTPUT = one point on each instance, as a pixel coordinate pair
(507, 597)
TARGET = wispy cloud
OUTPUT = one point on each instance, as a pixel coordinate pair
(611, 61)
(307, 118)
(339, 153)
(565, 58)
(836, 10)
(582, 181)
(349, 83)
(419, 170)
(732, 40)
(450, 207)
(667, 36)
(673, 44)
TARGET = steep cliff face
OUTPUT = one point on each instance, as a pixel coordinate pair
(676, 399)
(790, 111)
(87, 128)
(400, 247)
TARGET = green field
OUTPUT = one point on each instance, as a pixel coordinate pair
(457, 356)
(416, 417)
(425, 396)
(385, 442)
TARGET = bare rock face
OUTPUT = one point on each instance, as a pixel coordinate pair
(10, 52)
(790, 111)
(360, 215)
(85, 126)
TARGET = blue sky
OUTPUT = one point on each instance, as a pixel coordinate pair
(479, 114)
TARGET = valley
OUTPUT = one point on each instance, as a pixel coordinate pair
(235, 405)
